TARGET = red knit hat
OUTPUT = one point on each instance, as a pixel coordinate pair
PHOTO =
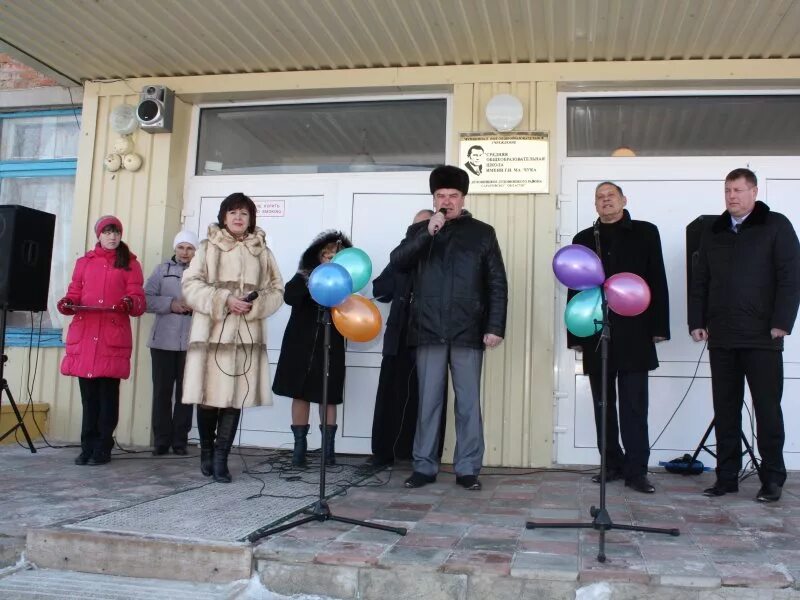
(104, 222)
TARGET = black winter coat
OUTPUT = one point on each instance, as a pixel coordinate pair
(629, 246)
(459, 281)
(395, 287)
(746, 283)
(299, 372)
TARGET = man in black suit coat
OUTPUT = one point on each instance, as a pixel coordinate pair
(633, 247)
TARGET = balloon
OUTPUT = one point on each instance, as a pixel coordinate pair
(357, 264)
(582, 311)
(627, 294)
(578, 268)
(329, 284)
(357, 319)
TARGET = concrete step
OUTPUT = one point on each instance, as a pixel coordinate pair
(46, 584)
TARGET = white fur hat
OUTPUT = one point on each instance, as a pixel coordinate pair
(186, 237)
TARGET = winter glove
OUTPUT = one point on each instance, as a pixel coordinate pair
(64, 306)
(125, 306)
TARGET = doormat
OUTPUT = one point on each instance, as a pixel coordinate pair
(271, 493)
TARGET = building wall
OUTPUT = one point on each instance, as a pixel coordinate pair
(519, 376)
(16, 76)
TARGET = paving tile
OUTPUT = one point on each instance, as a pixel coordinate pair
(351, 554)
(753, 575)
(479, 561)
(418, 556)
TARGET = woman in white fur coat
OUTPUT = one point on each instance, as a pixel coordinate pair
(226, 363)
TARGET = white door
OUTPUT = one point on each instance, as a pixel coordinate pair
(670, 193)
(374, 210)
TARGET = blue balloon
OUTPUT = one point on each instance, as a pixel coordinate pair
(330, 284)
(584, 313)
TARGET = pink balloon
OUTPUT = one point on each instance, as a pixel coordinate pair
(578, 267)
(627, 294)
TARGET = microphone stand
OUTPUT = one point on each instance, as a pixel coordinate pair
(601, 520)
(4, 385)
(320, 511)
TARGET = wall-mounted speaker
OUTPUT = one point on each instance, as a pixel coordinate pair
(155, 109)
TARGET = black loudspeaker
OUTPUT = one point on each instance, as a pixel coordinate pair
(26, 249)
(694, 231)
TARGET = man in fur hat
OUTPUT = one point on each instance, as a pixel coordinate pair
(458, 308)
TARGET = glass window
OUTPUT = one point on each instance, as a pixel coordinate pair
(37, 169)
(39, 137)
(397, 135)
(684, 126)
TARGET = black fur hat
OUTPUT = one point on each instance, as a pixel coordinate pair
(310, 259)
(447, 176)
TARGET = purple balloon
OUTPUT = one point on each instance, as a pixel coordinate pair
(578, 268)
(627, 294)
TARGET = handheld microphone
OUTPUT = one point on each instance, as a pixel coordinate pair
(251, 296)
(442, 211)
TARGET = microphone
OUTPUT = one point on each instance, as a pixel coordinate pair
(442, 211)
(251, 296)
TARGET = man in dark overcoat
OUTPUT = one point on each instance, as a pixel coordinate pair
(628, 246)
(744, 299)
(458, 309)
(394, 421)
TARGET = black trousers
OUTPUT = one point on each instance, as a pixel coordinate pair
(100, 399)
(632, 422)
(171, 424)
(763, 370)
(394, 422)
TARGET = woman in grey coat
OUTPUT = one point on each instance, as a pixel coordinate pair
(168, 343)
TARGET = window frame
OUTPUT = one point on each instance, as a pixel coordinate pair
(51, 167)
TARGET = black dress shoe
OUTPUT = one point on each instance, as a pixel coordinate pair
(82, 458)
(99, 457)
(469, 482)
(640, 484)
(379, 461)
(720, 488)
(769, 492)
(179, 450)
(611, 475)
(417, 480)
(160, 450)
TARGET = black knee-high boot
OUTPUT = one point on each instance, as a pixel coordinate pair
(330, 440)
(300, 445)
(207, 430)
(226, 431)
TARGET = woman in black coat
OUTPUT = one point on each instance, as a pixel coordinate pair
(299, 373)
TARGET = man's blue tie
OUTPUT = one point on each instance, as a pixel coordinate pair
(735, 227)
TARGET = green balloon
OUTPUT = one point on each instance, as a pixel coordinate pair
(582, 311)
(357, 263)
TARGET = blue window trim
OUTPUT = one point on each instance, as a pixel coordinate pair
(41, 113)
(58, 167)
(22, 337)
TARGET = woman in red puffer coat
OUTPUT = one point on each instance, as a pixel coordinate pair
(105, 291)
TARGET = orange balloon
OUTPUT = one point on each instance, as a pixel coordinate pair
(357, 318)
